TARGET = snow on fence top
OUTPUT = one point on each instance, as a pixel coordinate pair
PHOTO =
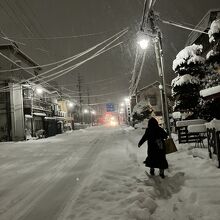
(185, 79)
(39, 114)
(190, 122)
(197, 128)
(214, 124)
(189, 54)
(214, 29)
(210, 91)
(176, 115)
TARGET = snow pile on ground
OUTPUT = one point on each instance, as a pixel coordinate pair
(214, 29)
(114, 185)
(189, 54)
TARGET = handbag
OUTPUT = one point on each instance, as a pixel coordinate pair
(170, 146)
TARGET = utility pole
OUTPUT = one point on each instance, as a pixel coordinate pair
(80, 98)
(153, 31)
(90, 114)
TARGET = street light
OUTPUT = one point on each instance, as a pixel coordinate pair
(143, 43)
(39, 90)
(70, 104)
(86, 111)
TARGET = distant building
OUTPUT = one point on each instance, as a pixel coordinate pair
(67, 111)
(203, 25)
(151, 93)
(11, 97)
(24, 111)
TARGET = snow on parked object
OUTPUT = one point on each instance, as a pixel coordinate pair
(199, 128)
(185, 79)
(210, 91)
(189, 54)
(214, 29)
(214, 124)
(190, 122)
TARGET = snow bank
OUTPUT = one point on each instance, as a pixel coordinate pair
(210, 91)
(185, 79)
(214, 29)
(188, 55)
(190, 122)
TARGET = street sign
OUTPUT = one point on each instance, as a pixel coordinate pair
(110, 107)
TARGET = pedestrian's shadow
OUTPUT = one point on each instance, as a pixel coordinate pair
(164, 188)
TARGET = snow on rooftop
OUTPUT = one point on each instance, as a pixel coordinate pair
(185, 79)
(214, 29)
(189, 54)
(210, 91)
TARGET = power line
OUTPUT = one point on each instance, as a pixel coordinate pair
(75, 66)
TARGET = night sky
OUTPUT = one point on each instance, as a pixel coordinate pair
(45, 18)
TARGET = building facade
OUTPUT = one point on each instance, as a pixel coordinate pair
(151, 93)
(204, 25)
(26, 109)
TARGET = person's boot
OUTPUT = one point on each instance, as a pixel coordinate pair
(162, 173)
(152, 171)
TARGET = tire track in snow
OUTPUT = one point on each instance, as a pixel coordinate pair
(29, 195)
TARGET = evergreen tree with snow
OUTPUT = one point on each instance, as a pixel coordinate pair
(141, 111)
(189, 67)
(211, 108)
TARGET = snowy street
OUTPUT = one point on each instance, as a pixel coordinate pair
(97, 173)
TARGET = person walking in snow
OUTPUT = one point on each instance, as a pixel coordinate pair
(156, 157)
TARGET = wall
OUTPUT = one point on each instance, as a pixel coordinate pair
(17, 113)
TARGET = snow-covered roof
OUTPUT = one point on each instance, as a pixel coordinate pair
(185, 79)
(210, 91)
(214, 29)
(190, 54)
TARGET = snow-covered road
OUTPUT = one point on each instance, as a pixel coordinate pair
(97, 174)
(38, 177)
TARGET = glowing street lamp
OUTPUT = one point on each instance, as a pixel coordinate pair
(86, 111)
(39, 90)
(143, 43)
(70, 104)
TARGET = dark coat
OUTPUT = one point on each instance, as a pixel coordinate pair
(156, 153)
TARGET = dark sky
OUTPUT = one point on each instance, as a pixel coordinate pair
(43, 18)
